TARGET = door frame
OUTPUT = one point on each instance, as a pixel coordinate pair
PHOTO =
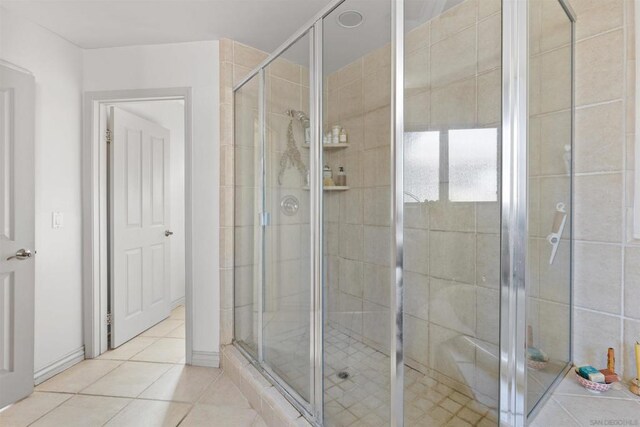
(95, 211)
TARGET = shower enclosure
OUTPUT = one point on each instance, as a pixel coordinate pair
(433, 287)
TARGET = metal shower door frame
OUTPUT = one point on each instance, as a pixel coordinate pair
(513, 410)
(512, 381)
(513, 229)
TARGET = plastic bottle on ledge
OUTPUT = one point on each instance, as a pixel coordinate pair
(341, 178)
(327, 176)
(343, 136)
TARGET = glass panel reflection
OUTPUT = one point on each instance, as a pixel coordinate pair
(549, 196)
(473, 165)
(452, 235)
(422, 166)
(357, 231)
(247, 230)
(287, 289)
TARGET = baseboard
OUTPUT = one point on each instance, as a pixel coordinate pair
(210, 359)
(177, 303)
(65, 362)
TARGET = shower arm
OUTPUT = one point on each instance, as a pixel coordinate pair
(300, 116)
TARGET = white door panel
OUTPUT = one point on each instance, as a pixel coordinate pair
(139, 215)
(17, 106)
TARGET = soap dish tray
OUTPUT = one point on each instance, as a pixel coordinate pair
(537, 365)
(592, 386)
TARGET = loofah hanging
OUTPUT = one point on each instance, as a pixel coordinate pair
(292, 157)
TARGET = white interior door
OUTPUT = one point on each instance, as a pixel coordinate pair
(139, 219)
(17, 215)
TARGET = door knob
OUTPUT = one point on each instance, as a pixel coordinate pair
(168, 233)
(22, 254)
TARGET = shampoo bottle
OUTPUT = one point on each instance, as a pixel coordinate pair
(341, 178)
(343, 136)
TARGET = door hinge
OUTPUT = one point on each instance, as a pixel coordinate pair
(109, 318)
(108, 136)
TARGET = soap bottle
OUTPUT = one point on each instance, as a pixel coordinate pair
(341, 178)
(327, 176)
(343, 136)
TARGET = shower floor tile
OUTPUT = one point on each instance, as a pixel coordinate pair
(362, 398)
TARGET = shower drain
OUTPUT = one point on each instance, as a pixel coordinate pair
(343, 375)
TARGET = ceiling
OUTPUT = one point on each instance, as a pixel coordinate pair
(264, 24)
(344, 45)
(98, 23)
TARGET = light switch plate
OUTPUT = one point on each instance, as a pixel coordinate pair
(57, 220)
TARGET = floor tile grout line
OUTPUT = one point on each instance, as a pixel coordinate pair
(155, 339)
(51, 410)
(156, 361)
(81, 392)
(148, 361)
(120, 363)
(134, 399)
(156, 380)
(556, 393)
(196, 400)
(186, 415)
(215, 380)
(566, 410)
(121, 409)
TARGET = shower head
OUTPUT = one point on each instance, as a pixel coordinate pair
(299, 115)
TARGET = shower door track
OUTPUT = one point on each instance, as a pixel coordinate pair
(287, 391)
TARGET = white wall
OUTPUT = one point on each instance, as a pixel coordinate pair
(57, 66)
(194, 65)
(170, 115)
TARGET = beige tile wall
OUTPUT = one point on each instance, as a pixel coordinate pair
(607, 279)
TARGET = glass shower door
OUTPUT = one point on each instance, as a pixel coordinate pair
(247, 207)
(419, 289)
(548, 332)
(356, 222)
(452, 118)
(287, 288)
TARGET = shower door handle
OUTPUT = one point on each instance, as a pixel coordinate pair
(554, 237)
(265, 219)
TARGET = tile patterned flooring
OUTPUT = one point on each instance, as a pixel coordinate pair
(362, 398)
(141, 383)
(145, 383)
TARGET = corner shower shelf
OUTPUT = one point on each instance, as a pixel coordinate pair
(332, 188)
(330, 146)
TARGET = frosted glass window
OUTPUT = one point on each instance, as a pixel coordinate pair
(473, 163)
(421, 166)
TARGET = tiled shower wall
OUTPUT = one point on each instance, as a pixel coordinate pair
(607, 259)
(451, 248)
(549, 190)
(236, 61)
